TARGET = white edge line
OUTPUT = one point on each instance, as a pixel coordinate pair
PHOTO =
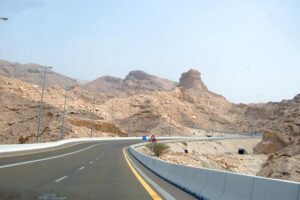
(81, 168)
(60, 179)
(160, 190)
(43, 159)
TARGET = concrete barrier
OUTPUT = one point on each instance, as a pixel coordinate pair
(163, 168)
(219, 185)
(299, 192)
(276, 190)
(238, 187)
(176, 175)
(215, 184)
(189, 173)
(198, 182)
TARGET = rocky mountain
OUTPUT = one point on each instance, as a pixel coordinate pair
(105, 84)
(33, 73)
(139, 80)
(131, 114)
(135, 82)
(148, 105)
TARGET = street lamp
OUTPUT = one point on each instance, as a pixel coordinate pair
(4, 18)
(41, 105)
(213, 119)
(64, 113)
(92, 125)
(170, 122)
(128, 122)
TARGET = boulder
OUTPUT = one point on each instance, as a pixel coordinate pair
(270, 143)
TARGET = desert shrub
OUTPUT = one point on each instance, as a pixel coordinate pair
(149, 146)
(158, 148)
(23, 139)
(184, 143)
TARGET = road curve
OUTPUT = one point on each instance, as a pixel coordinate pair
(90, 170)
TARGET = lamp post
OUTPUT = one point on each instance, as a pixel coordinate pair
(92, 126)
(170, 122)
(212, 119)
(129, 119)
(81, 95)
(64, 113)
(112, 110)
(41, 106)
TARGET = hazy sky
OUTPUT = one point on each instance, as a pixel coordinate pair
(248, 51)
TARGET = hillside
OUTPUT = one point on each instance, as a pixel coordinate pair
(20, 105)
(33, 73)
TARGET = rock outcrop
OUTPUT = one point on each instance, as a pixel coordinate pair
(283, 164)
(191, 80)
(283, 148)
(270, 143)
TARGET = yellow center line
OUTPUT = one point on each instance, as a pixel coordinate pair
(147, 187)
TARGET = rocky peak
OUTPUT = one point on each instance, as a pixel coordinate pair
(192, 80)
(135, 82)
(138, 75)
(109, 78)
(297, 98)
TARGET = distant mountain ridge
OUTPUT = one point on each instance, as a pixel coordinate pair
(33, 73)
(135, 82)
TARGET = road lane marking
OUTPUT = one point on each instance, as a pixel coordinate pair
(97, 158)
(147, 187)
(91, 162)
(81, 168)
(49, 158)
(60, 179)
(51, 196)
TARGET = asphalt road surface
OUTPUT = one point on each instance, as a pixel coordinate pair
(90, 170)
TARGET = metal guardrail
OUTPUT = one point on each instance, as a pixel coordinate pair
(231, 132)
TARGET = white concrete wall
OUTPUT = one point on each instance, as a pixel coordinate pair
(220, 185)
